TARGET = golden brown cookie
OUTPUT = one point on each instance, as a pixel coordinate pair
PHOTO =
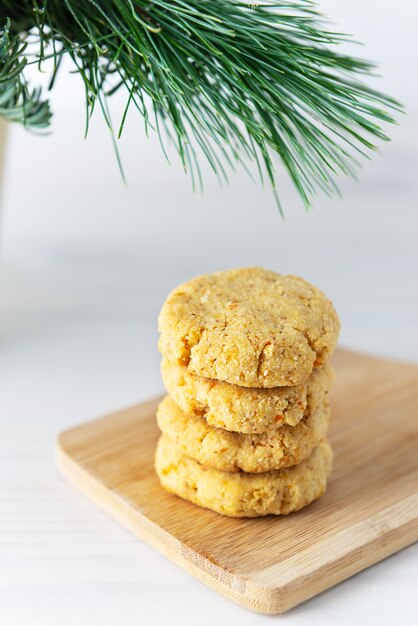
(278, 492)
(249, 327)
(245, 409)
(235, 452)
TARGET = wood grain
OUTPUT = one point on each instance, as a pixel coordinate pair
(270, 564)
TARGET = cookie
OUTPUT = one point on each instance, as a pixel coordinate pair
(278, 492)
(249, 327)
(245, 409)
(235, 452)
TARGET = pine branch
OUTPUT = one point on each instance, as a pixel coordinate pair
(236, 82)
(17, 102)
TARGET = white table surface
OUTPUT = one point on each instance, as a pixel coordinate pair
(85, 267)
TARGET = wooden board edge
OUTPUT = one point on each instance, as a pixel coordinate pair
(386, 537)
(148, 406)
(344, 352)
(258, 599)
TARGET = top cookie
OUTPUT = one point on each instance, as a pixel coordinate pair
(249, 327)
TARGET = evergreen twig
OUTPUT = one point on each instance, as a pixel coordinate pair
(17, 102)
(237, 81)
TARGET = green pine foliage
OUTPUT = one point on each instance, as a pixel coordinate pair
(236, 82)
(17, 102)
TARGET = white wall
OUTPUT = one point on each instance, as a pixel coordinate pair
(387, 31)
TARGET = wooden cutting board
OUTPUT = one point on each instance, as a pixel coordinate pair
(270, 564)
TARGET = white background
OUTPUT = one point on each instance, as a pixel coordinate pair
(86, 264)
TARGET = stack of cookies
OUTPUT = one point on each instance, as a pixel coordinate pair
(245, 364)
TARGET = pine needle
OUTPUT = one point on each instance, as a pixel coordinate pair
(230, 80)
(17, 102)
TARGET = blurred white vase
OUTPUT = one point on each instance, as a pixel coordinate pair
(3, 136)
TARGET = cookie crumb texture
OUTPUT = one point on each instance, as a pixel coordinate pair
(244, 409)
(235, 452)
(240, 494)
(249, 327)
